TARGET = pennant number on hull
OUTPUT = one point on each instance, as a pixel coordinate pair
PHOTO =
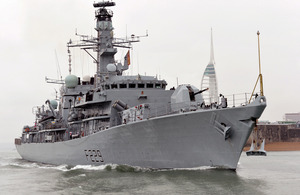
(93, 156)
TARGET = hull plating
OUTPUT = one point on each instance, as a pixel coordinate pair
(183, 140)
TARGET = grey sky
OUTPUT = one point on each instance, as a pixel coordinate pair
(178, 46)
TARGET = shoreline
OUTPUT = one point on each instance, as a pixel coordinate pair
(279, 146)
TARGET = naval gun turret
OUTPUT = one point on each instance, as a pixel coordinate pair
(186, 98)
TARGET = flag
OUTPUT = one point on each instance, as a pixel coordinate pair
(127, 59)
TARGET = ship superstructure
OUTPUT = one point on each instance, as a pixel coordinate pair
(111, 118)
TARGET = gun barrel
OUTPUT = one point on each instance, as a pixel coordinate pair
(200, 91)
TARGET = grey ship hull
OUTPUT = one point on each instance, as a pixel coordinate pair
(184, 140)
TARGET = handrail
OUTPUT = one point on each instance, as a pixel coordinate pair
(154, 110)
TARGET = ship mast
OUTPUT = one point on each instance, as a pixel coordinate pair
(105, 49)
(104, 44)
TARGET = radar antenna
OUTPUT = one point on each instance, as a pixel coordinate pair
(104, 4)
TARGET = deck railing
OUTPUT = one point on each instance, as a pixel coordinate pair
(155, 110)
(240, 99)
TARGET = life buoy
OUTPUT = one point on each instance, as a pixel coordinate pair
(82, 134)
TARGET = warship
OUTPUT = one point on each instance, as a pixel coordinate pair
(114, 118)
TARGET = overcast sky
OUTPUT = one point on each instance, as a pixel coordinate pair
(178, 45)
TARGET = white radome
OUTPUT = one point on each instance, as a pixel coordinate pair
(86, 78)
(111, 68)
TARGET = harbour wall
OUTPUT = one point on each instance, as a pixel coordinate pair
(276, 133)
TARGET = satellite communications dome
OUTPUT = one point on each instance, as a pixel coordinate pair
(111, 67)
(71, 81)
(54, 104)
(86, 78)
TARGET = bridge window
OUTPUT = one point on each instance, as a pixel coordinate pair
(157, 85)
(141, 85)
(114, 86)
(149, 85)
(122, 86)
(131, 85)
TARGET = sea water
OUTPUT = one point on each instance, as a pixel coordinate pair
(277, 173)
